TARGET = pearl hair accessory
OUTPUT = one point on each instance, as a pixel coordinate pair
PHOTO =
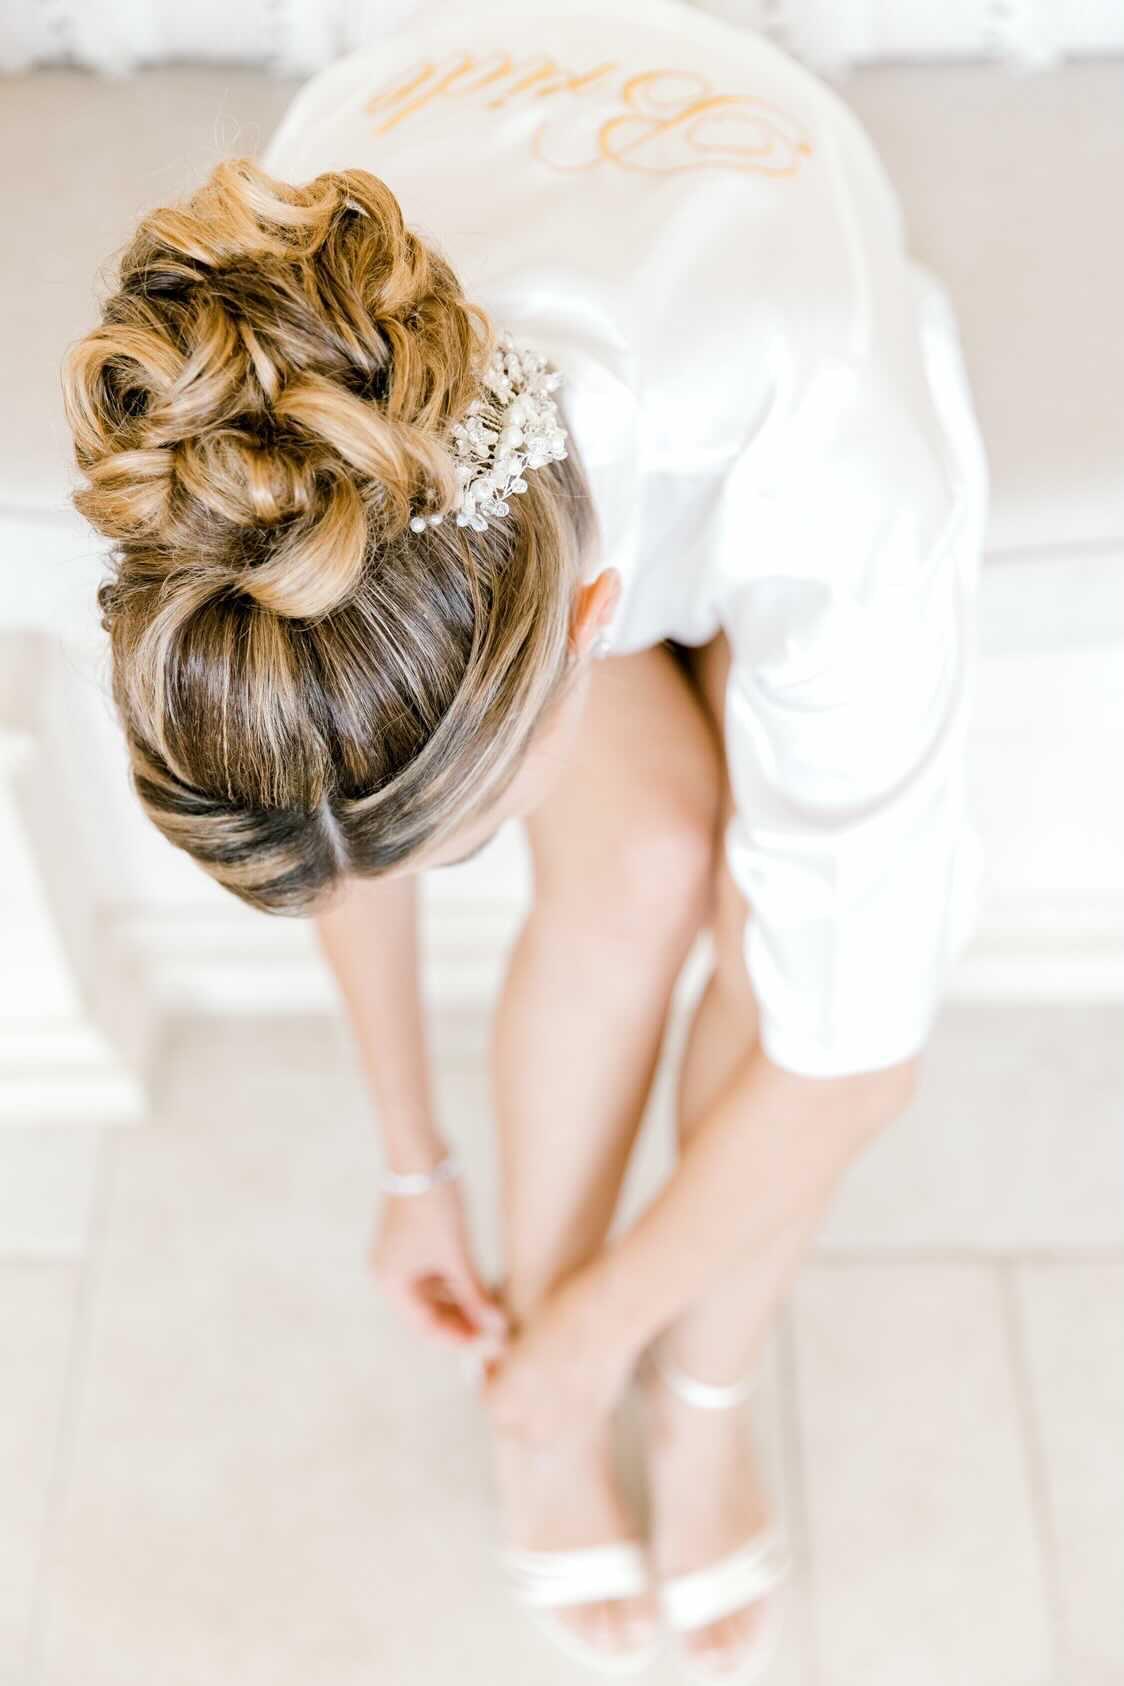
(512, 426)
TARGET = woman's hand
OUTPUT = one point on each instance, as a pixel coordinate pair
(562, 1372)
(423, 1261)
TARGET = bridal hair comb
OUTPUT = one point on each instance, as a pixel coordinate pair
(511, 427)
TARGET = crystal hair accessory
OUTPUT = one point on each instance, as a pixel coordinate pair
(511, 427)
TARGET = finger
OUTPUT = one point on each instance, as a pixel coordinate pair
(449, 1325)
(430, 1317)
(460, 1300)
(451, 1297)
(477, 1304)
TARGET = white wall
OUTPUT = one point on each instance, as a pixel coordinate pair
(118, 35)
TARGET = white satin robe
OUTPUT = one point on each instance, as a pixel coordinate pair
(768, 394)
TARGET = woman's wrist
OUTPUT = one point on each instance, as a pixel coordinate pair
(412, 1146)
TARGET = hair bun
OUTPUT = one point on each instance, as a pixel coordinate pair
(267, 396)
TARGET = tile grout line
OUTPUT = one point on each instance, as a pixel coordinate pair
(840, 1258)
(27, 1258)
(798, 1518)
(88, 1271)
(1036, 1466)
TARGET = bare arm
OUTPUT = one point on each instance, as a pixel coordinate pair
(422, 1254)
(370, 939)
(768, 1129)
(772, 1146)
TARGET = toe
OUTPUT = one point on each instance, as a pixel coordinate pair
(639, 1625)
(588, 1624)
(720, 1649)
(615, 1627)
(629, 1625)
(606, 1630)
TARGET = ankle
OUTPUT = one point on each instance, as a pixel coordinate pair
(684, 1412)
(522, 1299)
(525, 1293)
(709, 1380)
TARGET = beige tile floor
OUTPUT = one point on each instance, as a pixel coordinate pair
(220, 1461)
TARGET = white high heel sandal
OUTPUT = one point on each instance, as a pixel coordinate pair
(556, 1580)
(743, 1576)
(553, 1580)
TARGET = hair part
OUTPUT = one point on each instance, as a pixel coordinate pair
(309, 689)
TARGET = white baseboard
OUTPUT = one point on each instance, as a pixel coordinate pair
(1061, 947)
(229, 961)
(1068, 946)
(64, 1072)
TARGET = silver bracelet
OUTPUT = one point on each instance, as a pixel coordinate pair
(420, 1182)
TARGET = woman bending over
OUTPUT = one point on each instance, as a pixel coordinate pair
(570, 334)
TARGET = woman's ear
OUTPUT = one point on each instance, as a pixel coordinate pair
(595, 605)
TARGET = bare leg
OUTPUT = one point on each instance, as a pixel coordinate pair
(623, 863)
(707, 1495)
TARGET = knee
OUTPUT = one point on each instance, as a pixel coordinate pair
(658, 890)
(652, 889)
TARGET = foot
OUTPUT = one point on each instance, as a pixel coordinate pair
(707, 1501)
(568, 1499)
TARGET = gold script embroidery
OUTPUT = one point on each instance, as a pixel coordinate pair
(656, 121)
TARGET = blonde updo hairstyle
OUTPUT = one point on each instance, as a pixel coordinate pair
(309, 688)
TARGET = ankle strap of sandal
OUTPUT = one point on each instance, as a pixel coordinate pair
(707, 1396)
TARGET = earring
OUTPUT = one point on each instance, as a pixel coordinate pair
(600, 645)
